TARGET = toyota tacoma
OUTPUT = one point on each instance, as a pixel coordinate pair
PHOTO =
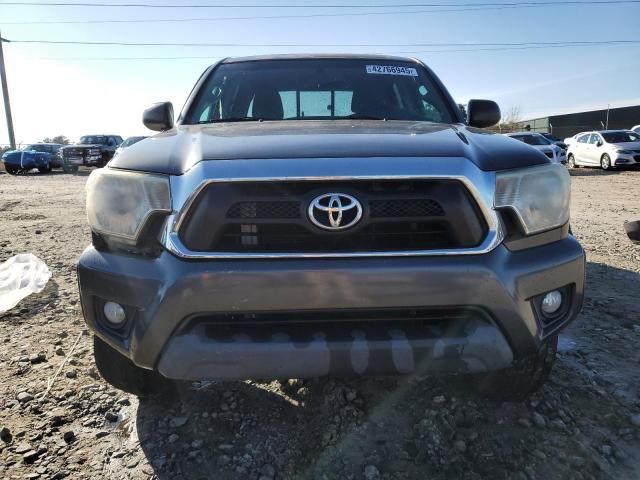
(328, 215)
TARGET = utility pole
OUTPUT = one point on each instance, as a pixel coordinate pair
(5, 95)
(608, 108)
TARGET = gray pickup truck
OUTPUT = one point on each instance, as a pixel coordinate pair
(328, 215)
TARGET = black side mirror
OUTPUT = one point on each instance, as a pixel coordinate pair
(633, 231)
(483, 113)
(158, 117)
(599, 144)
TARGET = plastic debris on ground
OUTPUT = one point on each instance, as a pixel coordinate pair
(21, 276)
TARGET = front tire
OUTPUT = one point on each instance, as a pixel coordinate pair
(524, 377)
(571, 161)
(123, 374)
(605, 162)
(69, 168)
(46, 169)
(11, 169)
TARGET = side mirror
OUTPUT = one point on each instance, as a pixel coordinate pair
(158, 117)
(599, 144)
(633, 231)
(483, 113)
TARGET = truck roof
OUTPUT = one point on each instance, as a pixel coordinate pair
(312, 56)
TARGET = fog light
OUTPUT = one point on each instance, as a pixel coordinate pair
(551, 302)
(114, 313)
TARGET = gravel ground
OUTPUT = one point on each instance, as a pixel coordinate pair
(585, 423)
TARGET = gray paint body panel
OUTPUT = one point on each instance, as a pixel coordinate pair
(168, 290)
(176, 151)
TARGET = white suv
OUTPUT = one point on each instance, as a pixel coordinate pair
(607, 149)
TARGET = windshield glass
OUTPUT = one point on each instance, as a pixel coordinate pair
(620, 137)
(535, 140)
(548, 136)
(37, 148)
(130, 141)
(319, 89)
(93, 140)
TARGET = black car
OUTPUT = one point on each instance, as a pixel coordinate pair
(91, 150)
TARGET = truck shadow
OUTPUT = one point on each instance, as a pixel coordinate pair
(416, 428)
(598, 172)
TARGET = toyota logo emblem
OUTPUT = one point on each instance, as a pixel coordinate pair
(335, 211)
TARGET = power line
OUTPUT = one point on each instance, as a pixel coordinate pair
(209, 57)
(331, 45)
(258, 17)
(297, 5)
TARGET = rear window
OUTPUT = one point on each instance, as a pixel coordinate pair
(319, 89)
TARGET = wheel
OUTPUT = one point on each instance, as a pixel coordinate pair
(46, 169)
(11, 169)
(571, 161)
(605, 162)
(69, 168)
(104, 161)
(123, 374)
(523, 378)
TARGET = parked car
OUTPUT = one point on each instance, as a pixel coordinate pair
(43, 156)
(328, 215)
(636, 129)
(91, 150)
(607, 149)
(540, 142)
(127, 143)
(633, 231)
(555, 140)
(569, 140)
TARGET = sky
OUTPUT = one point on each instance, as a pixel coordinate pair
(74, 90)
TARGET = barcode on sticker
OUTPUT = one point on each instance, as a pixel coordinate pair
(392, 70)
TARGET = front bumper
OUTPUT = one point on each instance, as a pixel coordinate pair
(620, 160)
(166, 299)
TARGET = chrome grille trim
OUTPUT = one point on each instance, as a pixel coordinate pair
(480, 185)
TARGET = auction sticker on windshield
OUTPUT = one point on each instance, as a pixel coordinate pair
(392, 70)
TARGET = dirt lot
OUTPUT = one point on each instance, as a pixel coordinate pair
(584, 424)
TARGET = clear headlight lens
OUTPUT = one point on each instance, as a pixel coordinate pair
(539, 196)
(119, 203)
(624, 152)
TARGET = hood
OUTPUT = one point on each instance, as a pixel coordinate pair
(177, 150)
(82, 145)
(626, 146)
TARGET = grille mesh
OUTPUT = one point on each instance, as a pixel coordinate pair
(265, 210)
(422, 207)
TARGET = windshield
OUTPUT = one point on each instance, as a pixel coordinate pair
(93, 140)
(535, 140)
(548, 136)
(620, 137)
(319, 89)
(130, 141)
(37, 148)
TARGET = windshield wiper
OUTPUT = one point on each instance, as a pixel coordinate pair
(355, 116)
(230, 120)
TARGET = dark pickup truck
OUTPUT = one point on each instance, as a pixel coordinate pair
(328, 215)
(91, 150)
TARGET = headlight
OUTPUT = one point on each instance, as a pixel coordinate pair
(120, 203)
(624, 152)
(539, 196)
(94, 151)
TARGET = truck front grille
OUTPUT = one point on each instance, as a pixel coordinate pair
(397, 215)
